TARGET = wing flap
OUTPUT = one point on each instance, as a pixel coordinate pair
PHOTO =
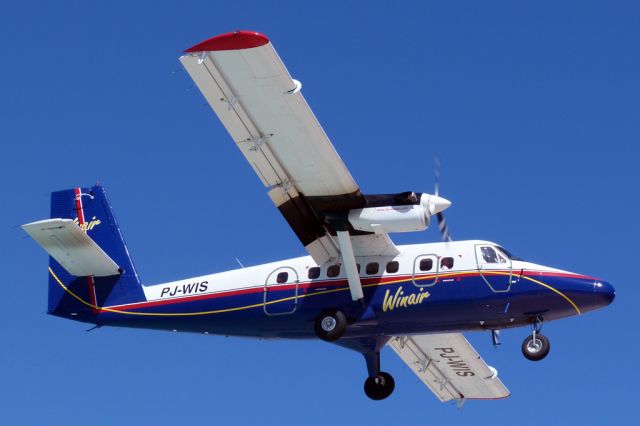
(449, 366)
(71, 247)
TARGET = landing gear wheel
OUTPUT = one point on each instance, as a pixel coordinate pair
(330, 325)
(380, 387)
(535, 347)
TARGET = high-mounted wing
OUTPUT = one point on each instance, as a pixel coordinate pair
(449, 366)
(261, 106)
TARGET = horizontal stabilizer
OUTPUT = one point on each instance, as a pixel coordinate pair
(72, 248)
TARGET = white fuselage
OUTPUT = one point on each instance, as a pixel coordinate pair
(463, 254)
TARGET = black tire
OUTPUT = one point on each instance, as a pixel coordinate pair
(378, 388)
(330, 325)
(538, 350)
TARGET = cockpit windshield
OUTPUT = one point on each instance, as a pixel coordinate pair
(507, 253)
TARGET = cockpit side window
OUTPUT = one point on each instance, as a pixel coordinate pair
(489, 255)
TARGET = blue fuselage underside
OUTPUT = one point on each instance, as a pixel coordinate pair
(461, 302)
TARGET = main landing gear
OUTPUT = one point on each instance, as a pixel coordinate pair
(330, 325)
(536, 346)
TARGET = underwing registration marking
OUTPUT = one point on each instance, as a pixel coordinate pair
(455, 362)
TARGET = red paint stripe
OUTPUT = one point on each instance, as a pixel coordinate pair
(92, 294)
(554, 274)
(187, 299)
(260, 289)
(79, 210)
(236, 40)
(90, 282)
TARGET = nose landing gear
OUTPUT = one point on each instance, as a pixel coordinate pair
(379, 385)
(536, 346)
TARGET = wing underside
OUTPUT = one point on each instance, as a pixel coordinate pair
(261, 106)
(449, 366)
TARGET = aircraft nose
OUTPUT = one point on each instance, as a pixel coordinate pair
(604, 293)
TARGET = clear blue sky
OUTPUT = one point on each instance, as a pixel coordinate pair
(533, 108)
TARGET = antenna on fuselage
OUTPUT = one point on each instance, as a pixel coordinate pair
(239, 263)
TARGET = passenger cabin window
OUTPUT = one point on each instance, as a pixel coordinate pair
(333, 271)
(392, 267)
(426, 264)
(446, 263)
(372, 268)
(358, 266)
(282, 277)
(489, 255)
(314, 273)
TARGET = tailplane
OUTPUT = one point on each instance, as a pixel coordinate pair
(89, 264)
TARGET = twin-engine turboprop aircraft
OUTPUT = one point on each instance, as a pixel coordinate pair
(356, 288)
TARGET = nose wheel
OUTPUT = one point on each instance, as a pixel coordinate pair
(379, 385)
(536, 346)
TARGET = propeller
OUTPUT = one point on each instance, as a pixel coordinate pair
(442, 222)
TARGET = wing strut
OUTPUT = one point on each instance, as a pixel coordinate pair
(349, 262)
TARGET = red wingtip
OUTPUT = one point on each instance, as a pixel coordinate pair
(231, 41)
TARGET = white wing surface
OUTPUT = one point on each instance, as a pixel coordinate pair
(449, 366)
(261, 106)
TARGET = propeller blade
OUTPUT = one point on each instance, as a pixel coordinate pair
(436, 171)
(442, 223)
(444, 229)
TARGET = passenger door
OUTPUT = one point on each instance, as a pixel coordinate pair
(281, 291)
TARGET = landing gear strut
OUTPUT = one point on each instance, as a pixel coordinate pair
(379, 385)
(536, 346)
(330, 325)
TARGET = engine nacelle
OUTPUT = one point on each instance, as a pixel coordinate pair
(398, 218)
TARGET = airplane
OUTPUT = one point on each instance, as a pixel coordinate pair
(356, 288)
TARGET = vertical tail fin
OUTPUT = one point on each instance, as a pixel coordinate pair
(81, 297)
